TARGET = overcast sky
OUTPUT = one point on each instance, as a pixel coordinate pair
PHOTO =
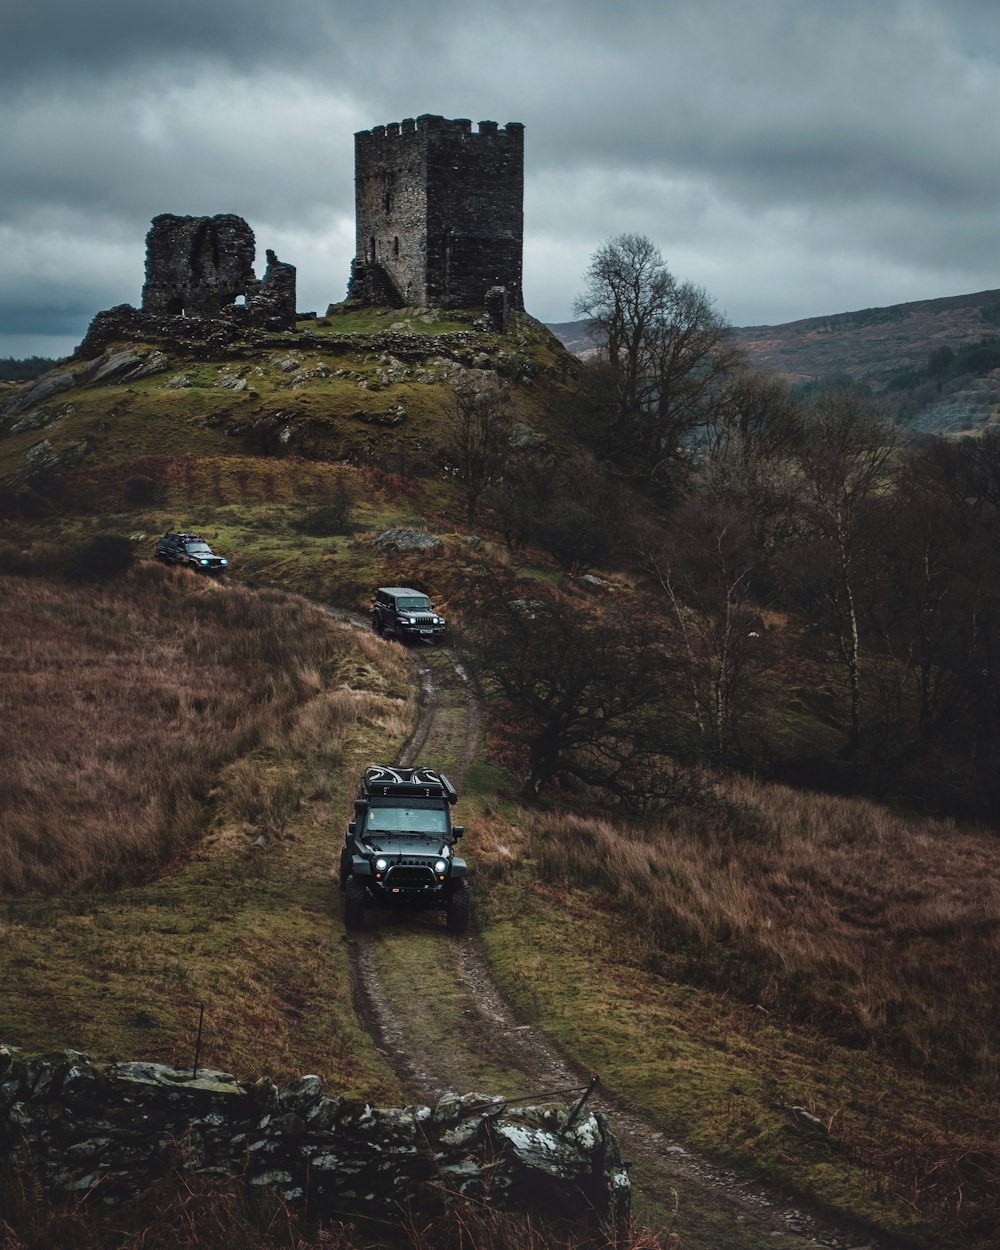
(794, 157)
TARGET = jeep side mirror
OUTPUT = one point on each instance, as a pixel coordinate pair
(360, 807)
(352, 828)
(457, 831)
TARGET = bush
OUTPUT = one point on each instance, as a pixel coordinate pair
(37, 559)
(140, 491)
(335, 516)
(9, 507)
(101, 558)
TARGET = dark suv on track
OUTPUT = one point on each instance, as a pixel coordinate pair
(191, 551)
(406, 614)
(400, 847)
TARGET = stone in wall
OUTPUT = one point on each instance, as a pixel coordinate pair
(115, 1129)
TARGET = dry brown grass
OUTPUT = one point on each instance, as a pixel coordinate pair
(122, 704)
(210, 1213)
(784, 952)
(874, 928)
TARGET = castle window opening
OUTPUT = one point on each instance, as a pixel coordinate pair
(395, 246)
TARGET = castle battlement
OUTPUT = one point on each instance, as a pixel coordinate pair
(432, 122)
(439, 212)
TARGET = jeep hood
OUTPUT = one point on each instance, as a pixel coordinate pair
(403, 844)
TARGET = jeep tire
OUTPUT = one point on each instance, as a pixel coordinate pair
(457, 917)
(354, 903)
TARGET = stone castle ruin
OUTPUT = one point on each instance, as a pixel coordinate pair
(439, 214)
(440, 224)
(202, 267)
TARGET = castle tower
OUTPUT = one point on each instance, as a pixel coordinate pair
(439, 212)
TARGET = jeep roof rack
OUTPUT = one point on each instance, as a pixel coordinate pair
(381, 780)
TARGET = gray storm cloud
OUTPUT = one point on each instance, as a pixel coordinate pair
(793, 156)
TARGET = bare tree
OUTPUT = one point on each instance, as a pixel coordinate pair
(706, 566)
(666, 346)
(581, 691)
(845, 464)
(480, 434)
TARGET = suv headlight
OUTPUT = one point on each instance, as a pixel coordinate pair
(381, 864)
(441, 866)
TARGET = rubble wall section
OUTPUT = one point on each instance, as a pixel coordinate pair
(115, 1129)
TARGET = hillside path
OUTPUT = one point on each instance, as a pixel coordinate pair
(442, 1024)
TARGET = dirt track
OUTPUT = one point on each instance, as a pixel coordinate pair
(474, 1040)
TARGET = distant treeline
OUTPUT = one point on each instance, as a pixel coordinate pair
(944, 364)
(12, 370)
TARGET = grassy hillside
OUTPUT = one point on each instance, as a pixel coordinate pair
(798, 984)
(362, 387)
(177, 753)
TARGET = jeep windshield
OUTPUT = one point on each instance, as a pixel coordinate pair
(413, 603)
(407, 820)
(198, 549)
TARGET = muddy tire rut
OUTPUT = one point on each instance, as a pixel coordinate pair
(467, 1037)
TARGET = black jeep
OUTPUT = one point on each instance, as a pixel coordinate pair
(400, 847)
(405, 614)
(191, 551)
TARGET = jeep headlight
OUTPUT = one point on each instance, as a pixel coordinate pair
(203, 562)
(441, 866)
(413, 620)
(381, 864)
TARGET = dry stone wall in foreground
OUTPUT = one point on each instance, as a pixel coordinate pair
(115, 1129)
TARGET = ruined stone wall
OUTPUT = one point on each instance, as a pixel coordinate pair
(271, 302)
(116, 1129)
(197, 265)
(440, 210)
(200, 267)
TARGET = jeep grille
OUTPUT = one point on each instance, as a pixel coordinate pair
(410, 875)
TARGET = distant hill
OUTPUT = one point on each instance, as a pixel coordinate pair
(872, 344)
(888, 348)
